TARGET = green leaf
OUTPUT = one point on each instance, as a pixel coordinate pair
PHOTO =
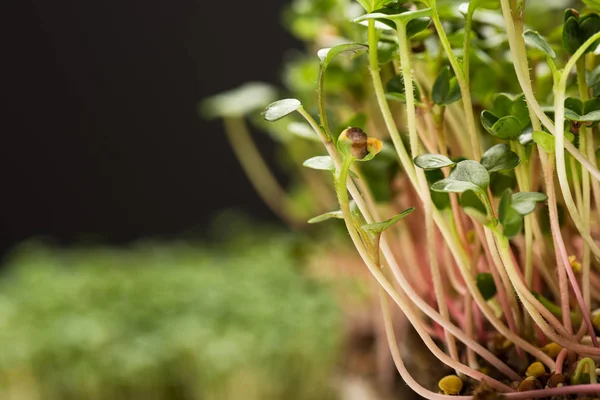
(544, 140)
(416, 26)
(386, 51)
(576, 110)
(499, 158)
(323, 163)
(506, 128)
(513, 224)
(328, 54)
(395, 87)
(452, 186)
(439, 199)
(589, 25)
(370, 5)
(593, 77)
(534, 39)
(303, 130)
(506, 104)
(502, 180)
(488, 119)
(524, 202)
(445, 88)
(486, 285)
(504, 205)
(571, 36)
(471, 171)
(395, 96)
(238, 102)
(324, 217)
(432, 161)
(574, 105)
(591, 105)
(471, 200)
(378, 227)
(402, 17)
(280, 109)
(487, 4)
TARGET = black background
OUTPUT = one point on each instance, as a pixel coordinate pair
(101, 136)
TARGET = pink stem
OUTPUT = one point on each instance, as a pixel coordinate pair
(564, 257)
(560, 360)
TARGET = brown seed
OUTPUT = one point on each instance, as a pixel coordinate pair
(529, 384)
(359, 142)
(555, 380)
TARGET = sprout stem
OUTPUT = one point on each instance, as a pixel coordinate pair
(256, 169)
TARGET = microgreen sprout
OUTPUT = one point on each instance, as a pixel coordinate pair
(495, 261)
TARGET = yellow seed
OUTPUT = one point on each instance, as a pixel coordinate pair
(451, 384)
(552, 349)
(535, 370)
(374, 145)
(575, 265)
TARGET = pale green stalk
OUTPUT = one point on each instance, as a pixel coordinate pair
(585, 178)
(256, 169)
(462, 82)
(411, 117)
(341, 183)
(559, 118)
(517, 49)
(410, 292)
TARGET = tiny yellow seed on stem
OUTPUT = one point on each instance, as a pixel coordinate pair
(451, 384)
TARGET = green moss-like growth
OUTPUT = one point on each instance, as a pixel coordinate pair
(165, 321)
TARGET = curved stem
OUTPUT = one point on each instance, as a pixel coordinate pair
(256, 169)
(341, 182)
(407, 288)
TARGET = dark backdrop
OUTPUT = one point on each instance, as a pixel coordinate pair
(101, 135)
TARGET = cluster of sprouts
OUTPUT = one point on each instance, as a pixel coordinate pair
(485, 129)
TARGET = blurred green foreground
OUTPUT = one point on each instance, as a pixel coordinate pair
(165, 321)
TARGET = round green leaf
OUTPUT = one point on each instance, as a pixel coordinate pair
(499, 158)
(534, 39)
(524, 202)
(238, 102)
(378, 227)
(486, 285)
(589, 25)
(471, 171)
(324, 217)
(504, 205)
(280, 109)
(488, 119)
(445, 88)
(328, 54)
(323, 163)
(502, 180)
(432, 161)
(416, 26)
(507, 128)
(303, 130)
(571, 36)
(513, 224)
(452, 186)
(544, 140)
(506, 104)
(470, 200)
